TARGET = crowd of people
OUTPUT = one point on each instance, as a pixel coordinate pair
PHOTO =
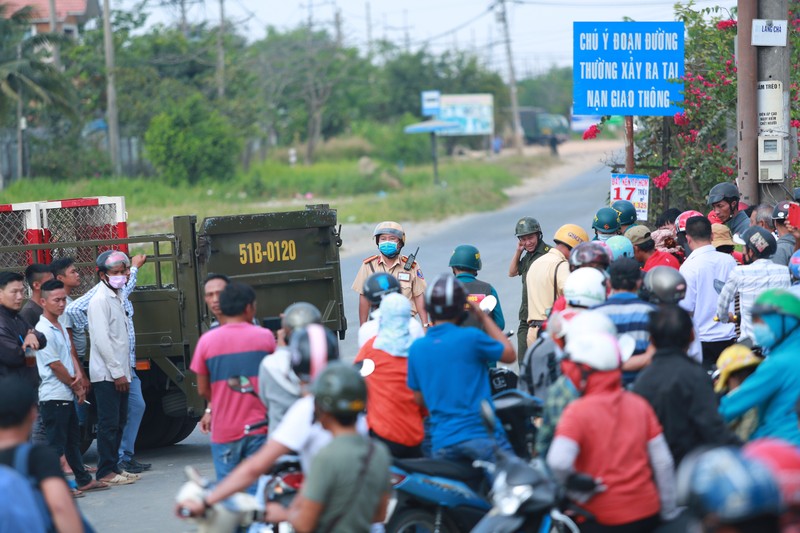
(663, 356)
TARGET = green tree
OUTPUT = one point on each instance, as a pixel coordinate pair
(192, 143)
(551, 91)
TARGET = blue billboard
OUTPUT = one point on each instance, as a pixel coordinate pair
(627, 68)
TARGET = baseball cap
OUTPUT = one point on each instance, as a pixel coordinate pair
(721, 236)
(638, 235)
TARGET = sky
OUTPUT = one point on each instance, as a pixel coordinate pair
(541, 30)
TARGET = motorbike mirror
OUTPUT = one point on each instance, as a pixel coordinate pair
(241, 384)
(365, 367)
(488, 304)
(488, 417)
(193, 475)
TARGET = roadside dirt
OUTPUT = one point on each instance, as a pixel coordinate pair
(575, 157)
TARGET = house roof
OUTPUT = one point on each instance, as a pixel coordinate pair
(81, 10)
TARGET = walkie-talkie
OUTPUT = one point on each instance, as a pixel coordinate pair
(410, 260)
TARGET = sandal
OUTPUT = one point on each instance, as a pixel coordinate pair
(90, 469)
(76, 493)
(94, 486)
(117, 479)
(132, 477)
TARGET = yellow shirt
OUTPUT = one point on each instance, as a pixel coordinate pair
(552, 267)
(412, 282)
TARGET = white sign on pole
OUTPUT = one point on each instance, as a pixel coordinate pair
(769, 32)
(634, 188)
(430, 103)
(769, 102)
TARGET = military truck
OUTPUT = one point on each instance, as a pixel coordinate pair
(286, 257)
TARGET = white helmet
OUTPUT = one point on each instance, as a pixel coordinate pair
(586, 287)
(595, 323)
(599, 351)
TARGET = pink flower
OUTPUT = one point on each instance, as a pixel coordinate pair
(726, 24)
(680, 119)
(591, 132)
(662, 180)
(795, 123)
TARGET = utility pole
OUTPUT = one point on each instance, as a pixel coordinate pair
(773, 65)
(337, 22)
(405, 30)
(369, 31)
(512, 80)
(54, 29)
(184, 24)
(112, 115)
(221, 52)
(20, 124)
(746, 113)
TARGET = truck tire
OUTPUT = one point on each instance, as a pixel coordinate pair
(189, 423)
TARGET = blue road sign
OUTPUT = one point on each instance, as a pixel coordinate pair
(627, 68)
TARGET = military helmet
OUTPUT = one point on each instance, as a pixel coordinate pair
(606, 220)
(760, 241)
(340, 390)
(571, 235)
(110, 259)
(379, 285)
(445, 297)
(299, 315)
(777, 302)
(627, 212)
(526, 226)
(467, 257)
(663, 285)
(723, 191)
(390, 228)
(311, 348)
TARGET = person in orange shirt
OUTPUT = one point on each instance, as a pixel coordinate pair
(393, 416)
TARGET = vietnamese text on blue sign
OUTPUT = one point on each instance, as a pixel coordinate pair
(627, 68)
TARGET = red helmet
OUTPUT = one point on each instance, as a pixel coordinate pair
(587, 253)
(783, 460)
(680, 222)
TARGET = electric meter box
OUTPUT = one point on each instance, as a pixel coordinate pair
(770, 159)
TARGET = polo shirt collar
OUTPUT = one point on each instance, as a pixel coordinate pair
(623, 296)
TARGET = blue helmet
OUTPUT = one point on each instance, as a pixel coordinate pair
(723, 484)
(794, 266)
(620, 246)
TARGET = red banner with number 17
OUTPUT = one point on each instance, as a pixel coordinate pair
(634, 188)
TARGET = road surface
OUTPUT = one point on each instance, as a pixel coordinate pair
(147, 506)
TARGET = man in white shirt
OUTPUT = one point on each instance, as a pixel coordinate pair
(706, 270)
(109, 365)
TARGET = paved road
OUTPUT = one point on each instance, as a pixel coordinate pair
(147, 505)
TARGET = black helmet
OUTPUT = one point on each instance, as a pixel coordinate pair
(591, 252)
(311, 348)
(340, 390)
(663, 285)
(526, 226)
(379, 285)
(299, 315)
(110, 259)
(760, 241)
(467, 257)
(445, 298)
(626, 210)
(781, 210)
(723, 191)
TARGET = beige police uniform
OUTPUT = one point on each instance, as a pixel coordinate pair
(412, 282)
(545, 281)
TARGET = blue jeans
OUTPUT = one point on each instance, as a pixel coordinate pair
(135, 414)
(229, 454)
(470, 450)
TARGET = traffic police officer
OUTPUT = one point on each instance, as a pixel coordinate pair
(390, 238)
(465, 263)
(529, 236)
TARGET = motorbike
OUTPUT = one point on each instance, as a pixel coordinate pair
(439, 496)
(524, 495)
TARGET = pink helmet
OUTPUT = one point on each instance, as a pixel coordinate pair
(783, 460)
(680, 222)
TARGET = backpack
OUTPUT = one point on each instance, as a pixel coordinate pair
(22, 507)
(539, 367)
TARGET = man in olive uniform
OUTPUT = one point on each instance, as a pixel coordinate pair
(606, 224)
(546, 276)
(390, 238)
(529, 236)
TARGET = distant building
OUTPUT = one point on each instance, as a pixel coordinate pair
(70, 14)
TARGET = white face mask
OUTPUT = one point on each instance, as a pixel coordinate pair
(603, 237)
(117, 282)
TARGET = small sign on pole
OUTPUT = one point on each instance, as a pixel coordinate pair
(769, 32)
(634, 188)
(431, 103)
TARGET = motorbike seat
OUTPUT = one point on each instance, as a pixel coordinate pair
(441, 468)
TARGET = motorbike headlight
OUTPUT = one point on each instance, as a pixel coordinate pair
(509, 499)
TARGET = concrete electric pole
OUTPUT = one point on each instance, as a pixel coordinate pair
(746, 113)
(512, 79)
(112, 116)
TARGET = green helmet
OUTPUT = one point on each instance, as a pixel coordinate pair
(606, 220)
(777, 302)
(466, 257)
(526, 226)
(340, 390)
(627, 212)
